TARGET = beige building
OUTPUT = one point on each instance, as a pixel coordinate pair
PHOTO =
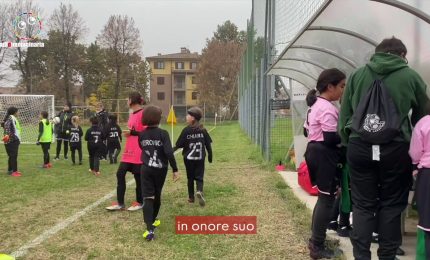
(173, 81)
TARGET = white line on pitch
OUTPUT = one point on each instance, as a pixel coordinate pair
(23, 250)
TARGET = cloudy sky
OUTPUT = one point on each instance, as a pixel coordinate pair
(165, 25)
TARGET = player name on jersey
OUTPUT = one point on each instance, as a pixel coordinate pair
(195, 136)
(151, 143)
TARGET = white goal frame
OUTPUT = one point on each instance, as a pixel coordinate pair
(29, 124)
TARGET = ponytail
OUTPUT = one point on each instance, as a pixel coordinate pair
(311, 97)
(10, 111)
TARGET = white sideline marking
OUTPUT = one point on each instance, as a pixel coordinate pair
(23, 250)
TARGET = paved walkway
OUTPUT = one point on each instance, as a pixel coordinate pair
(409, 238)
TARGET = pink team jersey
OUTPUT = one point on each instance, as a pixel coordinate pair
(322, 117)
(420, 143)
(132, 151)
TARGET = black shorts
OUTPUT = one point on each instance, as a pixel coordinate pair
(75, 146)
(322, 162)
(152, 181)
(422, 194)
(63, 137)
(113, 145)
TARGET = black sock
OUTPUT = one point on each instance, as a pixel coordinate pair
(157, 205)
(148, 213)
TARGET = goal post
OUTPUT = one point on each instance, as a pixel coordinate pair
(29, 108)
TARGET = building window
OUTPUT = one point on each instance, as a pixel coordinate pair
(179, 65)
(193, 65)
(160, 95)
(179, 98)
(193, 80)
(159, 65)
(194, 95)
(160, 80)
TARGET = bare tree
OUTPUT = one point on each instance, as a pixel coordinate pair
(121, 38)
(5, 35)
(67, 23)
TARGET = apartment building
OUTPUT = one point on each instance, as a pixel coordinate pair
(173, 81)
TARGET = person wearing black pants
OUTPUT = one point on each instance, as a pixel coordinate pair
(157, 155)
(95, 137)
(323, 155)
(388, 179)
(75, 141)
(114, 139)
(195, 140)
(11, 140)
(63, 130)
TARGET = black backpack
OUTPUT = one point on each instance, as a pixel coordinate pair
(376, 119)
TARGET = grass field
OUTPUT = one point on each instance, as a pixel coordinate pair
(237, 183)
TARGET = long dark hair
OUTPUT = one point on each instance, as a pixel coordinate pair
(329, 76)
(10, 111)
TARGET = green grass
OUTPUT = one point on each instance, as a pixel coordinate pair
(281, 139)
(235, 184)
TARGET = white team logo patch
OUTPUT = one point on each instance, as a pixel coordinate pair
(373, 123)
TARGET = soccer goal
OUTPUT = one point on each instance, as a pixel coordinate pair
(29, 108)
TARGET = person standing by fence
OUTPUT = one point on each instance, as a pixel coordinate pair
(323, 154)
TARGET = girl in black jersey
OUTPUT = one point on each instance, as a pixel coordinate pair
(195, 140)
(157, 153)
(95, 137)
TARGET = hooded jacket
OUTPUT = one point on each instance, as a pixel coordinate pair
(405, 86)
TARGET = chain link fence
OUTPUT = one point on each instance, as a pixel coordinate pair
(267, 112)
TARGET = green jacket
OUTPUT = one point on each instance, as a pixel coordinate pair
(405, 86)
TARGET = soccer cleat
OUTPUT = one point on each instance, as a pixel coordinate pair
(45, 166)
(156, 223)
(191, 200)
(49, 165)
(135, 206)
(115, 206)
(16, 174)
(201, 198)
(97, 173)
(148, 235)
(57, 158)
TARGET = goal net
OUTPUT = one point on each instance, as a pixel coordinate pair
(29, 108)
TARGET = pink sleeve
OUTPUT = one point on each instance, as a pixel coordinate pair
(328, 120)
(416, 149)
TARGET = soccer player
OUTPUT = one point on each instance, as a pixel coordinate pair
(195, 140)
(44, 139)
(157, 154)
